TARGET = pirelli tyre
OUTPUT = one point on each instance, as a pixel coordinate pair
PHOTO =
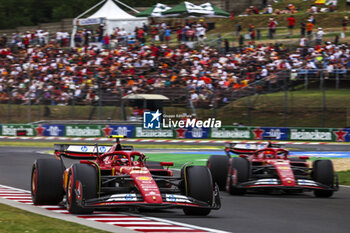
(239, 172)
(199, 185)
(82, 185)
(323, 173)
(218, 166)
(46, 182)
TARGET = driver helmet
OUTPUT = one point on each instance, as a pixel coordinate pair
(121, 159)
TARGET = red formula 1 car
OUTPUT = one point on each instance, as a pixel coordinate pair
(116, 176)
(267, 167)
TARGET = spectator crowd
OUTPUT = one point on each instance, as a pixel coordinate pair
(39, 70)
(51, 74)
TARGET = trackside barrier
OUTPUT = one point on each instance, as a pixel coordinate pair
(224, 132)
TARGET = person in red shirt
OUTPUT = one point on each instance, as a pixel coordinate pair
(291, 23)
(106, 41)
(141, 35)
(252, 33)
(272, 28)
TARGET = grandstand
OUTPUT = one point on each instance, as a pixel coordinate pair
(44, 71)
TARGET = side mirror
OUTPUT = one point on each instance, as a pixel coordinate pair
(166, 164)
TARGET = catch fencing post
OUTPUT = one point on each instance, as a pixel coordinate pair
(215, 103)
(8, 105)
(285, 99)
(337, 80)
(122, 115)
(73, 105)
(29, 109)
(248, 110)
(100, 93)
(306, 81)
(321, 80)
(323, 102)
(39, 104)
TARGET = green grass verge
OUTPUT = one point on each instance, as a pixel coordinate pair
(179, 159)
(13, 220)
(344, 177)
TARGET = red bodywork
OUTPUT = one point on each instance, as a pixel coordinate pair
(130, 170)
(279, 160)
(272, 168)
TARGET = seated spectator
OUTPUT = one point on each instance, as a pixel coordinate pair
(252, 10)
(268, 10)
(291, 9)
(313, 9)
(333, 5)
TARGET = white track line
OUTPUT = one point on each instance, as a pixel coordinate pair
(12, 188)
(117, 219)
(138, 223)
(158, 228)
(186, 225)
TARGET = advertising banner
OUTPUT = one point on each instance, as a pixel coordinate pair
(49, 130)
(83, 131)
(225, 132)
(88, 21)
(125, 130)
(273, 133)
(341, 135)
(11, 129)
(231, 132)
(192, 132)
(311, 134)
(153, 133)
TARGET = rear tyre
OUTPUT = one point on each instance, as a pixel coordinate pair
(82, 185)
(46, 182)
(323, 173)
(240, 171)
(218, 166)
(199, 185)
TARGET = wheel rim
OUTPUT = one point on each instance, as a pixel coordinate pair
(69, 191)
(34, 181)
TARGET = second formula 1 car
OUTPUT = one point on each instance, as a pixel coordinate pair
(267, 167)
(117, 176)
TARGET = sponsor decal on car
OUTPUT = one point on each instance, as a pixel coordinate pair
(122, 197)
(139, 172)
(143, 178)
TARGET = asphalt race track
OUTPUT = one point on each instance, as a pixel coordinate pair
(250, 213)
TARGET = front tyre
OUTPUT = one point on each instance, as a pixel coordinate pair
(46, 182)
(82, 185)
(218, 166)
(323, 173)
(199, 185)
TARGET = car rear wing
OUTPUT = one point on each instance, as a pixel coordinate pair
(249, 148)
(79, 151)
